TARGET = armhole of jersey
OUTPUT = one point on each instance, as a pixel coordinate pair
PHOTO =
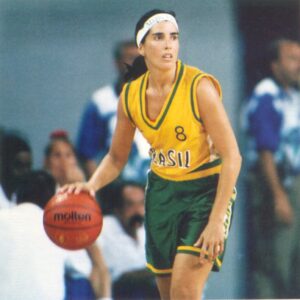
(194, 85)
(125, 103)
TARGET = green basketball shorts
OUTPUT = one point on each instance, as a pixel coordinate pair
(176, 214)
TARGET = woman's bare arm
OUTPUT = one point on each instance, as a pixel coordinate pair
(113, 162)
(219, 129)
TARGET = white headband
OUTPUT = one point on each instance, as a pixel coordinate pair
(151, 22)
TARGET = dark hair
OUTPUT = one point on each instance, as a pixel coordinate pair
(12, 143)
(273, 49)
(137, 69)
(120, 46)
(111, 196)
(119, 199)
(58, 135)
(36, 187)
(146, 16)
(139, 66)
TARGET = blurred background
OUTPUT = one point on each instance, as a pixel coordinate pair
(55, 53)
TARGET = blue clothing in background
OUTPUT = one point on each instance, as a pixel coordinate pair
(96, 130)
(272, 123)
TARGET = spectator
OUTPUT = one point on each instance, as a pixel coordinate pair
(99, 119)
(122, 241)
(87, 275)
(32, 267)
(273, 126)
(16, 160)
(60, 159)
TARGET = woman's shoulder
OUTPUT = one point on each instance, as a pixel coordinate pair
(194, 75)
(192, 71)
(192, 68)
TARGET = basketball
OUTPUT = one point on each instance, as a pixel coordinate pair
(72, 221)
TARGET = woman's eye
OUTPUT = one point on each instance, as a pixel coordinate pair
(158, 37)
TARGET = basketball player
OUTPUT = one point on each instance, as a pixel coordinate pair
(195, 159)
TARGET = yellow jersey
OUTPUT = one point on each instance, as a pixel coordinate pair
(181, 149)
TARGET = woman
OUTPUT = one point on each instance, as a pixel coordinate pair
(82, 280)
(61, 160)
(195, 160)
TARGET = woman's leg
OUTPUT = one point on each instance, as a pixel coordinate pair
(164, 285)
(189, 277)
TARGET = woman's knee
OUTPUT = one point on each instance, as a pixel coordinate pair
(185, 292)
(188, 277)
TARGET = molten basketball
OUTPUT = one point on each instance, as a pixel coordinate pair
(72, 221)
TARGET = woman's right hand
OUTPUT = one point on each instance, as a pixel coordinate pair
(77, 187)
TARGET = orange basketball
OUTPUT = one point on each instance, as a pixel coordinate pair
(73, 221)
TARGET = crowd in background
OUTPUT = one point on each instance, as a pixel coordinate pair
(272, 125)
(115, 265)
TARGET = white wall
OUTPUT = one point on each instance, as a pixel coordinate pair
(54, 53)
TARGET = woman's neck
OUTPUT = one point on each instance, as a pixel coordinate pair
(159, 79)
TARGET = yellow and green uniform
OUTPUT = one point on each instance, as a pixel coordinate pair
(180, 146)
(185, 168)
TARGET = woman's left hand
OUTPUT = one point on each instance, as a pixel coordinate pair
(211, 241)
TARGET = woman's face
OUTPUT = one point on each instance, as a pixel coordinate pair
(61, 158)
(161, 46)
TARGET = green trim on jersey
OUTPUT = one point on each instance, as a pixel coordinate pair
(180, 73)
(192, 98)
(126, 102)
(207, 165)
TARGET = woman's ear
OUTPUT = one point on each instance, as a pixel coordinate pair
(141, 49)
